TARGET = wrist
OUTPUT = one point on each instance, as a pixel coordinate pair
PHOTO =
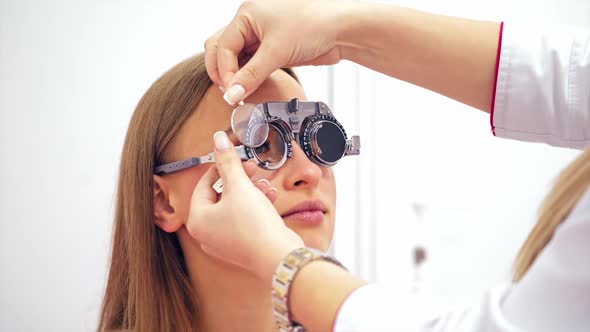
(274, 255)
(286, 273)
(348, 21)
(357, 33)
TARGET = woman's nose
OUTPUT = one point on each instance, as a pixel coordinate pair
(301, 171)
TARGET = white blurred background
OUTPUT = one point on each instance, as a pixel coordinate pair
(430, 174)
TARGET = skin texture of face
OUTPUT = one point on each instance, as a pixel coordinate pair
(298, 181)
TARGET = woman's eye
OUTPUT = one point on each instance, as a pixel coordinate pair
(264, 147)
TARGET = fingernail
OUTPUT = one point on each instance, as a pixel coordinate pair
(234, 94)
(221, 140)
(265, 181)
(272, 195)
(221, 88)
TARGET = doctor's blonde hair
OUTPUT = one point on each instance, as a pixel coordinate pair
(571, 184)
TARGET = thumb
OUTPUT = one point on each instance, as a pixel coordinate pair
(246, 80)
(227, 161)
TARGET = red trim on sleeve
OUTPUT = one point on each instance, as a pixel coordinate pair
(496, 78)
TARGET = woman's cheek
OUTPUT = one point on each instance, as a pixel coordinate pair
(331, 181)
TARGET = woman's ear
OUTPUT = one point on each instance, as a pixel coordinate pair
(165, 215)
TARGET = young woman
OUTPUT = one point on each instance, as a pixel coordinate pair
(160, 279)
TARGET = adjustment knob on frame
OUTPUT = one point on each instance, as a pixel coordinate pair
(293, 105)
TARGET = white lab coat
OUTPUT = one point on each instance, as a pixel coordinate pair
(542, 95)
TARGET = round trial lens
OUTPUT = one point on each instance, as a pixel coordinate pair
(249, 124)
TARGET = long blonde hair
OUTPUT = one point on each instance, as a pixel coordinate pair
(148, 286)
(569, 188)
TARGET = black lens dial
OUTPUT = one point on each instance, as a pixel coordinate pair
(324, 140)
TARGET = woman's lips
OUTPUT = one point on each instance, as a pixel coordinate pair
(308, 212)
(306, 217)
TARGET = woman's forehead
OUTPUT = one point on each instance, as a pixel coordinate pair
(279, 86)
(214, 114)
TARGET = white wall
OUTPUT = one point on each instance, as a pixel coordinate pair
(72, 71)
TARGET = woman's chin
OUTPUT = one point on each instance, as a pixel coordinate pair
(317, 236)
(318, 242)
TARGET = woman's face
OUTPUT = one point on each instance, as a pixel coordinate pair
(306, 192)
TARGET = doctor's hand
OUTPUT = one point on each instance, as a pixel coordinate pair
(270, 36)
(451, 56)
(242, 227)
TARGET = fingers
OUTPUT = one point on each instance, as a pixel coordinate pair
(250, 168)
(272, 194)
(231, 42)
(264, 37)
(241, 38)
(265, 187)
(227, 161)
(211, 58)
(203, 192)
(222, 50)
(263, 63)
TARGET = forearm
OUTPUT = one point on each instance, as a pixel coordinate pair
(452, 56)
(317, 293)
